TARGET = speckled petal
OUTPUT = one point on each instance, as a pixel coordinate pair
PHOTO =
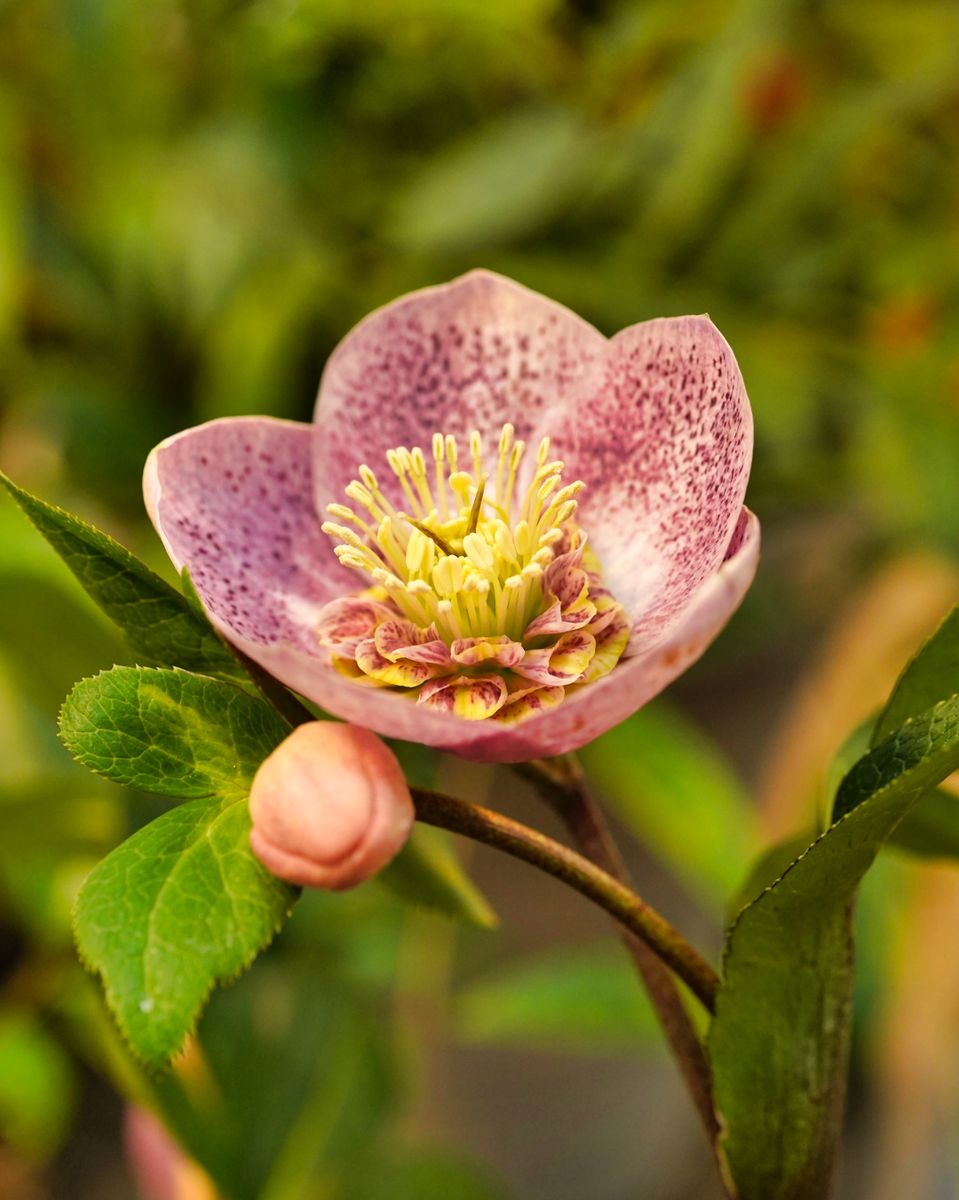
(232, 500)
(402, 673)
(663, 442)
(565, 577)
(346, 622)
(560, 664)
(465, 697)
(611, 633)
(473, 353)
(553, 619)
(528, 702)
(398, 639)
(500, 650)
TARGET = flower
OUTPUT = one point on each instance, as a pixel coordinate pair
(330, 806)
(643, 525)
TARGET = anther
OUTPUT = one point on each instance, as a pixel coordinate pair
(566, 512)
(356, 491)
(479, 551)
(476, 449)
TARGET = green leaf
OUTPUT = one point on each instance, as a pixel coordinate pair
(159, 623)
(931, 676)
(779, 1040)
(766, 870)
(583, 999)
(183, 904)
(671, 787)
(177, 908)
(856, 745)
(428, 872)
(170, 732)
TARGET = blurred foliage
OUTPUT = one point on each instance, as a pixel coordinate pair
(199, 197)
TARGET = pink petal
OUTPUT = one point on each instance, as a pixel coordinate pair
(471, 354)
(565, 578)
(401, 639)
(528, 702)
(500, 650)
(400, 673)
(560, 664)
(663, 441)
(553, 620)
(344, 623)
(232, 500)
(469, 697)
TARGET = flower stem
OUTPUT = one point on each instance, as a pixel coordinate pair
(484, 825)
(561, 783)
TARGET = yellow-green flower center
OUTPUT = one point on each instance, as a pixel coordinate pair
(457, 558)
(472, 576)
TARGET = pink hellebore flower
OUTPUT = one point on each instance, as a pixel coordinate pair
(499, 604)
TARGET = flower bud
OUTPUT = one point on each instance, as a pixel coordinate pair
(330, 806)
(159, 1167)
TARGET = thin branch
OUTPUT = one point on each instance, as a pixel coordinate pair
(561, 783)
(557, 860)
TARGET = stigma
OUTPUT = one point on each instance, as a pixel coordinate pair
(481, 596)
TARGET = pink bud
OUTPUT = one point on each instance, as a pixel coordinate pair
(159, 1167)
(330, 806)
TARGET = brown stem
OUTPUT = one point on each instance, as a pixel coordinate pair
(561, 783)
(557, 860)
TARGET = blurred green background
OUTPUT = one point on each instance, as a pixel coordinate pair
(197, 200)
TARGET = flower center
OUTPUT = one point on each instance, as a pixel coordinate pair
(484, 601)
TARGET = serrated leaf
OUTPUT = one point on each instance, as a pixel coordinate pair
(779, 1040)
(183, 904)
(932, 675)
(766, 870)
(169, 732)
(179, 907)
(160, 624)
(428, 872)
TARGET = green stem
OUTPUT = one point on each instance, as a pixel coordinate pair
(484, 825)
(561, 783)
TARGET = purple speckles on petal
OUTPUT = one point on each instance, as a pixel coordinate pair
(663, 445)
(471, 354)
(232, 501)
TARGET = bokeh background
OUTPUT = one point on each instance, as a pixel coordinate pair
(197, 200)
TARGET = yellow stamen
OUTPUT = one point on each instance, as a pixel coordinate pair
(468, 557)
